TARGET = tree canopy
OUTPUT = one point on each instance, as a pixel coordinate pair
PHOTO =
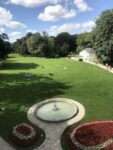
(44, 45)
(102, 36)
(5, 48)
(84, 40)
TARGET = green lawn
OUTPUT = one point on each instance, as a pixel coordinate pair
(88, 84)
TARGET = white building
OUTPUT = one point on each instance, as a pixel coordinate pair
(88, 54)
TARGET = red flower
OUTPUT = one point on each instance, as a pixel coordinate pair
(92, 134)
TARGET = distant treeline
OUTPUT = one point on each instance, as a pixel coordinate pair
(44, 45)
(100, 38)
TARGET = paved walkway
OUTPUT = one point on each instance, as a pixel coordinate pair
(4, 145)
(53, 136)
(54, 131)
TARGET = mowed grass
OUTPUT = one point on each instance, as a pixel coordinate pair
(88, 84)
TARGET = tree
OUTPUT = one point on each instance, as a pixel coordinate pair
(64, 50)
(103, 37)
(33, 43)
(4, 36)
(84, 40)
(62, 38)
(48, 48)
(45, 45)
(73, 43)
(5, 48)
(67, 41)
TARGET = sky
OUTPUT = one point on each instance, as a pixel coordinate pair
(18, 17)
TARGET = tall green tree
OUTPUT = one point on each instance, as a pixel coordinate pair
(103, 36)
(5, 48)
(65, 43)
(84, 40)
(45, 45)
(33, 43)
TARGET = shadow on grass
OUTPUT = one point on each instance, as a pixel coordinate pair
(18, 93)
(18, 66)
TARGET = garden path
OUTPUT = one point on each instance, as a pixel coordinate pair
(54, 131)
(4, 145)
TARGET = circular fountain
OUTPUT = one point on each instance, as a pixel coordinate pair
(62, 112)
(56, 111)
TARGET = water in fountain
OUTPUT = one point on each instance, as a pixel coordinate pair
(55, 107)
(56, 111)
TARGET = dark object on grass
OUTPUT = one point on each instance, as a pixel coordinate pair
(80, 59)
(51, 74)
(27, 75)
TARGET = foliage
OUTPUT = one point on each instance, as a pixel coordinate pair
(5, 48)
(103, 37)
(91, 136)
(44, 45)
(24, 134)
(65, 43)
(84, 40)
(33, 42)
(64, 49)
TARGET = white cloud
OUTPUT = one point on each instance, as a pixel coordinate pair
(6, 19)
(53, 13)
(13, 36)
(86, 30)
(5, 16)
(31, 30)
(15, 25)
(89, 23)
(32, 3)
(82, 5)
(87, 26)
(72, 28)
(2, 30)
(69, 27)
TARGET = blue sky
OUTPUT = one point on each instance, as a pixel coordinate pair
(17, 17)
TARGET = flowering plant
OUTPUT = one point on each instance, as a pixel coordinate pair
(92, 136)
(24, 134)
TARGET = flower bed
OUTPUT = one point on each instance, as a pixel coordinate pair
(92, 136)
(24, 134)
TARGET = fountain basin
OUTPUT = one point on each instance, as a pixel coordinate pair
(56, 111)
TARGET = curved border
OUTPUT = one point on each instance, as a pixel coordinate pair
(99, 65)
(55, 121)
(32, 118)
(98, 146)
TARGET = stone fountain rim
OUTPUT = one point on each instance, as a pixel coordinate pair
(31, 117)
(50, 101)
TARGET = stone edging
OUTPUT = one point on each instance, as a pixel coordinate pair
(100, 65)
(96, 147)
(78, 117)
(53, 130)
